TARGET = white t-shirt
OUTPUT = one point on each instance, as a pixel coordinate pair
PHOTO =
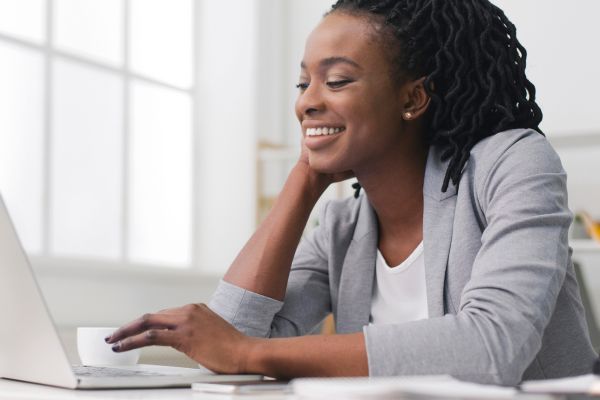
(399, 293)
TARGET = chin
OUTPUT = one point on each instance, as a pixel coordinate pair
(325, 166)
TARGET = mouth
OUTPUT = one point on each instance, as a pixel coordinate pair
(321, 137)
(323, 131)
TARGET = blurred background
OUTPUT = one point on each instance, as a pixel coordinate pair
(141, 141)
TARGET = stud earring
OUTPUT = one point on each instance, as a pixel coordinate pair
(408, 115)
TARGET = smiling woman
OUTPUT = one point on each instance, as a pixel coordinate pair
(454, 260)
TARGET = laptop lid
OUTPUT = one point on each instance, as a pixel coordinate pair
(30, 347)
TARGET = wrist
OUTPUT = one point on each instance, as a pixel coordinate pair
(251, 362)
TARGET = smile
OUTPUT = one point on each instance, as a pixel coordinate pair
(323, 131)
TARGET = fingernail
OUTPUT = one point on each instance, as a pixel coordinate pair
(116, 347)
(106, 339)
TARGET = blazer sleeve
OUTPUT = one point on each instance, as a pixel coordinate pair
(307, 299)
(516, 278)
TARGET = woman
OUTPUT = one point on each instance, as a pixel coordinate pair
(427, 104)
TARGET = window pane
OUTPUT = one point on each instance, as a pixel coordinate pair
(91, 28)
(23, 18)
(161, 176)
(86, 202)
(161, 40)
(21, 140)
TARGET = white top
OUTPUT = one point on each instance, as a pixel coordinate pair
(399, 293)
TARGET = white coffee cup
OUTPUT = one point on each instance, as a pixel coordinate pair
(93, 350)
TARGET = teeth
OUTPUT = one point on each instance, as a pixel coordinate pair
(322, 131)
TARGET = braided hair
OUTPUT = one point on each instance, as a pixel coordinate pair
(473, 63)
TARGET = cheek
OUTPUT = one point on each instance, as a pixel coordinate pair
(377, 116)
(363, 120)
(353, 111)
(364, 108)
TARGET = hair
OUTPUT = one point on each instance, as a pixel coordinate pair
(473, 64)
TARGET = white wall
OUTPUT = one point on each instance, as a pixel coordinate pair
(563, 60)
(227, 70)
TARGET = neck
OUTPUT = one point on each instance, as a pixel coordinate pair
(395, 189)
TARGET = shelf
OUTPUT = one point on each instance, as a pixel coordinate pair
(585, 246)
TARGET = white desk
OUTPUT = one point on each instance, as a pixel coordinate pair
(12, 390)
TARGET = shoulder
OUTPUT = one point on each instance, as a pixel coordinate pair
(514, 152)
(517, 163)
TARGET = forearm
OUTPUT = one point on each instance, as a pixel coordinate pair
(263, 265)
(315, 355)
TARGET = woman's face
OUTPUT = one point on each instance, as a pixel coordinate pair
(349, 107)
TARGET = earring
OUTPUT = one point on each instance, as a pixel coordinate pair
(408, 115)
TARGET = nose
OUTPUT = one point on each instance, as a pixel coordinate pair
(309, 102)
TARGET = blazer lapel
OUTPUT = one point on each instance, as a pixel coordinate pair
(358, 273)
(438, 218)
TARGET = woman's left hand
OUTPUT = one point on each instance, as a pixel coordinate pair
(193, 329)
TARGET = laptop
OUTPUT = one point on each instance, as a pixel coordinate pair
(31, 350)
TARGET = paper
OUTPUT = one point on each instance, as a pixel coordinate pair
(263, 387)
(588, 384)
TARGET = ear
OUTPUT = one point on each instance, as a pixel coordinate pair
(416, 99)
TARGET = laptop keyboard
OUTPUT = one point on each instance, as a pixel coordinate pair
(84, 370)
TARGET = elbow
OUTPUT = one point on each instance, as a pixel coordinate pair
(507, 367)
(499, 372)
(510, 369)
(510, 345)
(504, 377)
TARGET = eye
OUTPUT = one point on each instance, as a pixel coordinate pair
(339, 83)
(302, 86)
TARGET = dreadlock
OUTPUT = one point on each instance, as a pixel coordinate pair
(474, 68)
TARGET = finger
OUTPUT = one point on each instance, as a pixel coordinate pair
(144, 323)
(152, 337)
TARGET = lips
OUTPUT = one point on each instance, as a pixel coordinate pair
(318, 138)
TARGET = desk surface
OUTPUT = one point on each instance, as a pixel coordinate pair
(13, 390)
(19, 390)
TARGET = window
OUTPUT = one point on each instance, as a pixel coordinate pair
(96, 128)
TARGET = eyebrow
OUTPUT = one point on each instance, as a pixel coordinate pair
(330, 61)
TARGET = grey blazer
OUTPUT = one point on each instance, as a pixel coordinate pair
(503, 301)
